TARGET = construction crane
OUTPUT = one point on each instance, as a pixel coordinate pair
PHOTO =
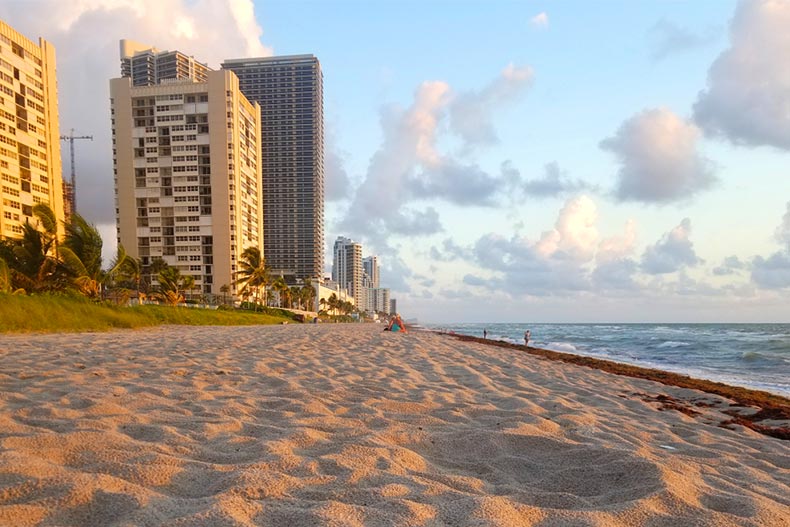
(73, 183)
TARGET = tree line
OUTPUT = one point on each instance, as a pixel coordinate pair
(39, 262)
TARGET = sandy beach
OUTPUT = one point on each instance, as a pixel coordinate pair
(345, 425)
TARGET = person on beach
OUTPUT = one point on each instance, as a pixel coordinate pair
(396, 324)
(527, 335)
(485, 334)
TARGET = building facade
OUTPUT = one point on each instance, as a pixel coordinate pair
(377, 300)
(147, 66)
(347, 268)
(289, 90)
(188, 175)
(30, 165)
(372, 271)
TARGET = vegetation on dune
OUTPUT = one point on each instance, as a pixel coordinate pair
(69, 268)
(50, 312)
(71, 292)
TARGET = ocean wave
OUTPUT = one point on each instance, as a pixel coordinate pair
(751, 356)
(757, 357)
(674, 344)
(561, 346)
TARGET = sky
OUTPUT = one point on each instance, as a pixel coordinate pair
(508, 161)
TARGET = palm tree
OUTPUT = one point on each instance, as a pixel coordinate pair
(188, 284)
(333, 303)
(295, 294)
(5, 277)
(283, 291)
(32, 260)
(130, 269)
(171, 284)
(253, 273)
(81, 255)
(307, 295)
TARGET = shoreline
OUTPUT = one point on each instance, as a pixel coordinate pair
(769, 406)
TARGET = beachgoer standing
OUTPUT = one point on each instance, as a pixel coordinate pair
(485, 334)
(527, 335)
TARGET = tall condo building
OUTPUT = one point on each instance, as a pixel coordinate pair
(29, 131)
(372, 271)
(188, 174)
(289, 90)
(347, 268)
(147, 66)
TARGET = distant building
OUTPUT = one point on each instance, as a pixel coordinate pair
(188, 175)
(289, 90)
(326, 290)
(378, 300)
(147, 66)
(393, 306)
(372, 271)
(347, 268)
(29, 131)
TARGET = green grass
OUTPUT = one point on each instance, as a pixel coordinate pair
(54, 313)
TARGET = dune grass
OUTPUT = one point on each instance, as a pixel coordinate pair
(55, 313)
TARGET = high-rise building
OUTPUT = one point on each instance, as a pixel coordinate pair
(393, 306)
(29, 131)
(372, 270)
(188, 175)
(289, 90)
(377, 300)
(147, 66)
(347, 268)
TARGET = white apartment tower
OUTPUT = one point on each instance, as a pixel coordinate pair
(29, 131)
(347, 268)
(188, 174)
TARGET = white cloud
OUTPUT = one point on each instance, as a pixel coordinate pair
(618, 246)
(659, 158)
(729, 266)
(574, 235)
(555, 182)
(747, 99)
(783, 230)
(471, 113)
(671, 38)
(408, 166)
(774, 272)
(673, 252)
(555, 264)
(541, 20)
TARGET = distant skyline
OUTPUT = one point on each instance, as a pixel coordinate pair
(508, 161)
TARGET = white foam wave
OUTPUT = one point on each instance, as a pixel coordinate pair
(673, 344)
(561, 346)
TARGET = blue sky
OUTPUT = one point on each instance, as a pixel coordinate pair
(512, 161)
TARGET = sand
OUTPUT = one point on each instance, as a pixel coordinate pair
(344, 425)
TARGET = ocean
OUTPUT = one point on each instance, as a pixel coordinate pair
(751, 355)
